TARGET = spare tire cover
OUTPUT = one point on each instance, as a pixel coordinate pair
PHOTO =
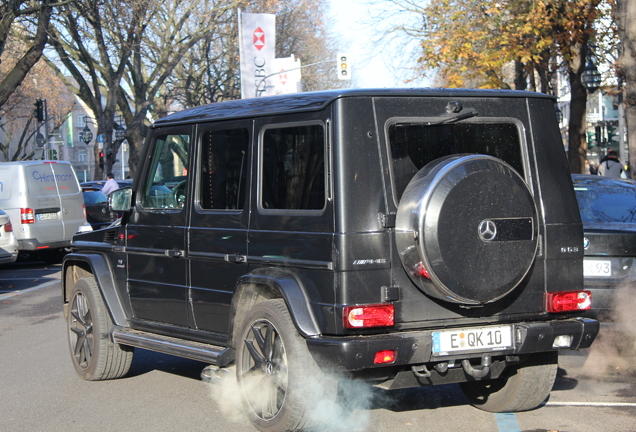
(471, 222)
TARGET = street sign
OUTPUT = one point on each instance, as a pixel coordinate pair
(101, 138)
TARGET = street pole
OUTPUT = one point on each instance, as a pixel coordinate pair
(47, 146)
(622, 147)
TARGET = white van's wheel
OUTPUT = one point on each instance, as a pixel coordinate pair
(94, 355)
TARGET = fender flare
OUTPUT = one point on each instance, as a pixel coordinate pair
(101, 271)
(286, 285)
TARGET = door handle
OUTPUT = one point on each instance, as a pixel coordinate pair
(236, 258)
(175, 253)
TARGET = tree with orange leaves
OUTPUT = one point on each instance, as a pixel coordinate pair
(473, 42)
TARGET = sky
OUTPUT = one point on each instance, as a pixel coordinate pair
(373, 64)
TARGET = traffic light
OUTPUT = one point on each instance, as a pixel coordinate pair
(101, 160)
(344, 66)
(612, 132)
(600, 139)
(40, 110)
(52, 154)
(591, 140)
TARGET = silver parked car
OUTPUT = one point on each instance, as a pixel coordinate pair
(8, 242)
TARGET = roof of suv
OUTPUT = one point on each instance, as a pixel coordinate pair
(314, 101)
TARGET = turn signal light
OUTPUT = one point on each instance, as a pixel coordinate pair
(379, 315)
(384, 357)
(27, 216)
(568, 301)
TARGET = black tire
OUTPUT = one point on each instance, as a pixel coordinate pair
(525, 388)
(94, 355)
(279, 381)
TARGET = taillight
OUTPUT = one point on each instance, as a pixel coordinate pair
(568, 301)
(27, 216)
(384, 357)
(420, 271)
(8, 227)
(84, 210)
(379, 315)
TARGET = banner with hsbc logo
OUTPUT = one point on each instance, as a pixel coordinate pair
(257, 48)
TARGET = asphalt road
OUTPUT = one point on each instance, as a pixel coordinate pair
(39, 390)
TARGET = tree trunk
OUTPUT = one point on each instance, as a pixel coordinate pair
(577, 142)
(627, 70)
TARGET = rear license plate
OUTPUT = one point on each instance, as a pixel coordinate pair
(472, 339)
(597, 268)
(47, 216)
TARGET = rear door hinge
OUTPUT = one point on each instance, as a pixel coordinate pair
(387, 220)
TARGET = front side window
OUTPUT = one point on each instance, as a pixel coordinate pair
(293, 168)
(165, 183)
(223, 178)
(413, 145)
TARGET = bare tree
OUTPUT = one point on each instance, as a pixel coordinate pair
(301, 29)
(175, 28)
(17, 125)
(93, 41)
(17, 13)
(209, 71)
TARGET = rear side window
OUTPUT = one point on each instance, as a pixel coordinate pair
(293, 168)
(413, 145)
(65, 177)
(40, 180)
(224, 169)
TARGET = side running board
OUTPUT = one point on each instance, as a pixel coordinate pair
(216, 355)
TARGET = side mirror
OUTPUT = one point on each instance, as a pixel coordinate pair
(120, 200)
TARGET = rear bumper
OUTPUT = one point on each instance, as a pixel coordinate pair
(8, 258)
(355, 353)
(34, 244)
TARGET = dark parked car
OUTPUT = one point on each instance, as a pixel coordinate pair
(401, 237)
(99, 184)
(608, 211)
(98, 213)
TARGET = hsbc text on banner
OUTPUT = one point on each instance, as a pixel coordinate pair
(258, 40)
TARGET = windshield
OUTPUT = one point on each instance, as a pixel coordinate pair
(605, 203)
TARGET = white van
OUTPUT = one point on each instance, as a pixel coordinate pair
(44, 202)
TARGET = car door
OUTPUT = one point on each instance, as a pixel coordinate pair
(156, 231)
(218, 230)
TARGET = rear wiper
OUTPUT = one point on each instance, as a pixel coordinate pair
(455, 118)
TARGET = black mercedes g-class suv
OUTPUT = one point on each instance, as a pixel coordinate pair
(402, 237)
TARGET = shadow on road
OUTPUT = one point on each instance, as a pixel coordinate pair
(24, 275)
(145, 361)
(421, 398)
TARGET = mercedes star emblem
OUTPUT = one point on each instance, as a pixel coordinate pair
(487, 230)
